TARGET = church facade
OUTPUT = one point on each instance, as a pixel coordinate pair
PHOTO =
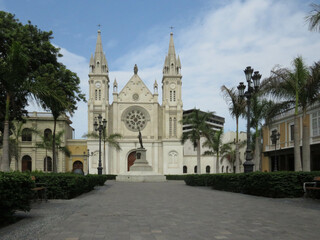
(134, 108)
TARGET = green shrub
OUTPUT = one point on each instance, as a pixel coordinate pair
(68, 185)
(275, 184)
(175, 177)
(15, 193)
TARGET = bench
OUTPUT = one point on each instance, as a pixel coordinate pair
(312, 186)
(40, 190)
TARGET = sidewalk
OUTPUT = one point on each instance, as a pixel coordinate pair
(170, 210)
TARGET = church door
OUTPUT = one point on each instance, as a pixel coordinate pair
(77, 167)
(131, 159)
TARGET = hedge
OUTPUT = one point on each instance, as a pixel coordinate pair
(15, 193)
(68, 185)
(274, 184)
(175, 177)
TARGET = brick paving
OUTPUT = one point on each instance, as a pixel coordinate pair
(167, 211)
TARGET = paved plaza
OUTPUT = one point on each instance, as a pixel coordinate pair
(167, 211)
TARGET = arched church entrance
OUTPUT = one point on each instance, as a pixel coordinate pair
(77, 167)
(131, 159)
(26, 163)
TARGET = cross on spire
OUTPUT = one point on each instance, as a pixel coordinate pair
(171, 28)
(99, 25)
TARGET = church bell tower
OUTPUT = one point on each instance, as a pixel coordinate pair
(171, 94)
(98, 102)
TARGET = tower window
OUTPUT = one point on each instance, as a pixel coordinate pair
(174, 126)
(174, 96)
(170, 126)
(170, 96)
(96, 94)
(99, 94)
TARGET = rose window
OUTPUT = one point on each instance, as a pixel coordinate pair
(135, 119)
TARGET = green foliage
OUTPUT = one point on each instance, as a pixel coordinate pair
(175, 177)
(15, 193)
(68, 185)
(275, 184)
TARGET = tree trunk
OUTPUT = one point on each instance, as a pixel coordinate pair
(257, 151)
(5, 165)
(54, 157)
(198, 157)
(104, 157)
(237, 147)
(297, 158)
(217, 164)
(305, 143)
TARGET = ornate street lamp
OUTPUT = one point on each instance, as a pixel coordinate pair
(88, 155)
(248, 164)
(275, 136)
(100, 126)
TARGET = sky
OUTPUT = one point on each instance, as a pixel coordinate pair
(215, 39)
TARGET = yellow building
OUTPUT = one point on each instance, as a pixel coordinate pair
(33, 157)
(283, 151)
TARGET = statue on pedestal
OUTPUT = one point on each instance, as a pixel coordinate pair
(140, 139)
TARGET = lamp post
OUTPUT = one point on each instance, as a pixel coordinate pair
(88, 155)
(248, 164)
(100, 126)
(275, 136)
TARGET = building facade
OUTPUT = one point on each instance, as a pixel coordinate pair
(283, 150)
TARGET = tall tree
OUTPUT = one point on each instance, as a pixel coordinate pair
(197, 122)
(112, 139)
(65, 86)
(214, 143)
(314, 18)
(298, 88)
(23, 48)
(237, 108)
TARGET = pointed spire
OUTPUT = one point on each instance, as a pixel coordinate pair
(171, 51)
(155, 86)
(115, 86)
(99, 63)
(172, 64)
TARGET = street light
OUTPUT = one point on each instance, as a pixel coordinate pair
(88, 155)
(248, 164)
(275, 136)
(100, 126)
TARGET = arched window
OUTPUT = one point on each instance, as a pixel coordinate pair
(174, 126)
(26, 163)
(185, 169)
(195, 169)
(47, 134)
(222, 168)
(96, 94)
(47, 164)
(227, 169)
(174, 96)
(170, 96)
(26, 135)
(208, 169)
(99, 94)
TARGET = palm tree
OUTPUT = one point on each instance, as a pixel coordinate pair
(14, 144)
(298, 88)
(112, 139)
(47, 142)
(214, 142)
(314, 18)
(237, 108)
(12, 69)
(197, 122)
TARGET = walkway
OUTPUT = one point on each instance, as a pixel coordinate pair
(167, 211)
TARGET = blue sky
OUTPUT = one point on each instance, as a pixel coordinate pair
(216, 40)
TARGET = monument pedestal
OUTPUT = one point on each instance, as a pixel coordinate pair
(141, 171)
